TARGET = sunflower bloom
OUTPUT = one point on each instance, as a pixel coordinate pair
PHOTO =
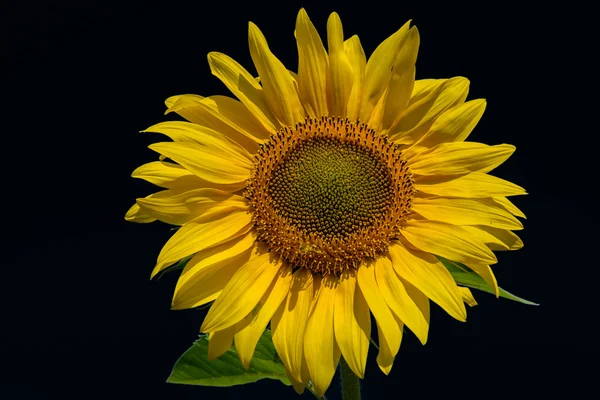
(320, 197)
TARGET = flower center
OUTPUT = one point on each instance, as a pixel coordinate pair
(329, 193)
(330, 187)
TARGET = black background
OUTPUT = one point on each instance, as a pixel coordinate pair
(82, 319)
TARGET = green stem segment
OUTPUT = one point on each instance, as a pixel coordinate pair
(350, 383)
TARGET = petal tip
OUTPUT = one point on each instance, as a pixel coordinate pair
(176, 304)
(204, 326)
(423, 336)
(302, 13)
(459, 81)
(155, 271)
(212, 57)
(386, 370)
(245, 363)
(252, 28)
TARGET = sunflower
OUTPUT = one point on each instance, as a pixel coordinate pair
(320, 197)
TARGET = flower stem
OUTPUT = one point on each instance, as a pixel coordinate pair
(350, 383)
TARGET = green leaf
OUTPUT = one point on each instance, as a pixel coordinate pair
(193, 367)
(465, 276)
(179, 266)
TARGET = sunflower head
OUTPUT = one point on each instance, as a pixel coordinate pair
(319, 198)
(327, 194)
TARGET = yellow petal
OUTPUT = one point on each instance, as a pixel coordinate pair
(496, 239)
(222, 114)
(316, 290)
(243, 292)
(167, 175)
(141, 214)
(376, 120)
(187, 106)
(299, 386)
(386, 355)
(206, 231)
(402, 80)
(247, 338)
(352, 324)
(278, 86)
(446, 240)
(459, 211)
(455, 124)
(421, 300)
(341, 75)
(358, 61)
(244, 87)
(460, 158)
(211, 140)
(509, 206)
(234, 114)
(219, 342)
(320, 348)
(420, 115)
(178, 208)
(390, 334)
(398, 299)
(312, 67)
(289, 323)
(423, 88)
(467, 296)
(135, 214)
(475, 185)
(212, 166)
(379, 71)
(488, 276)
(428, 274)
(209, 271)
